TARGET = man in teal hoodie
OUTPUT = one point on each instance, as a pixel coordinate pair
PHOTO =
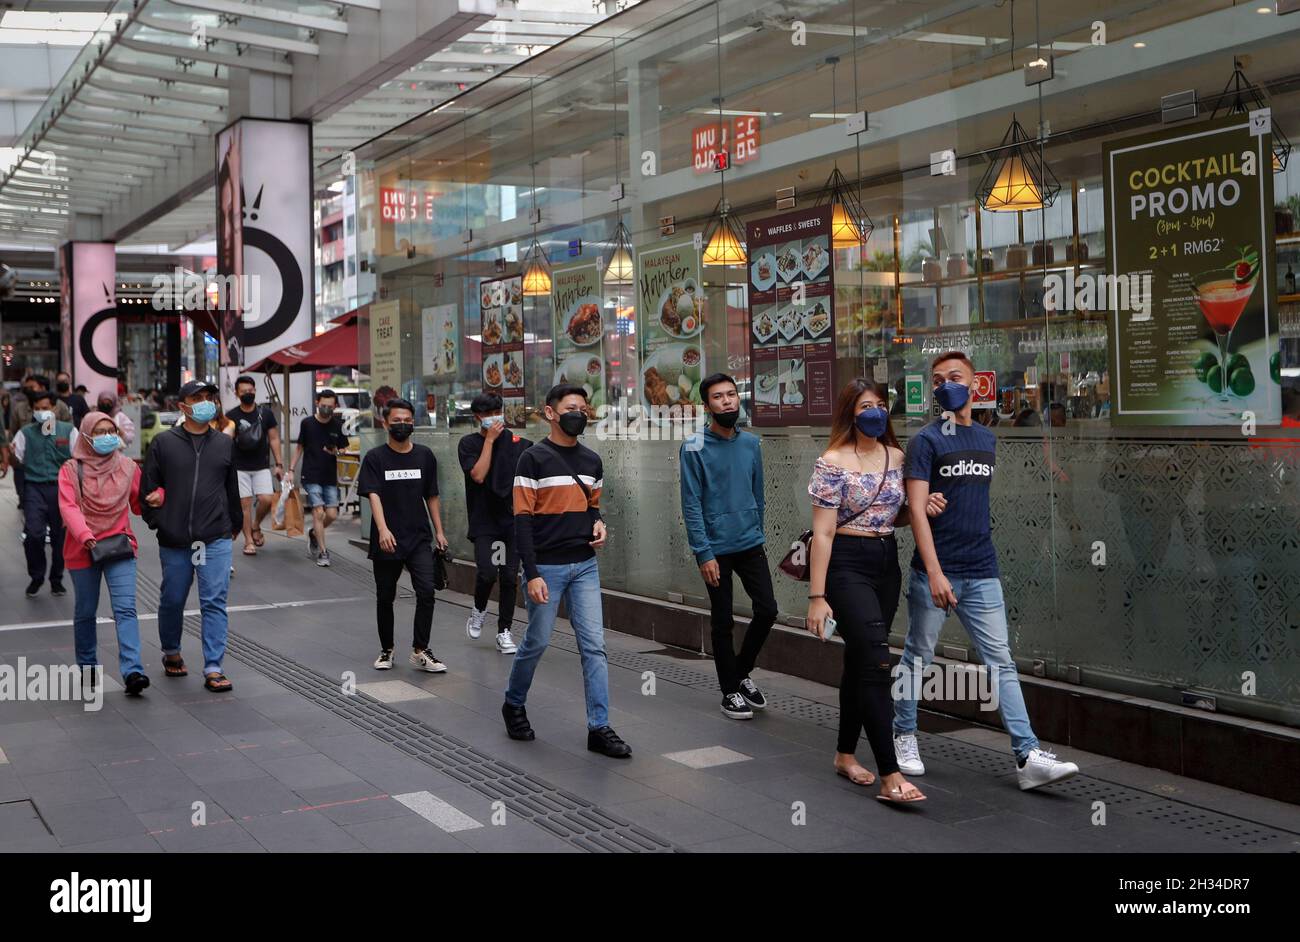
(722, 504)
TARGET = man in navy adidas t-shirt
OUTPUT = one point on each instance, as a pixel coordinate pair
(955, 568)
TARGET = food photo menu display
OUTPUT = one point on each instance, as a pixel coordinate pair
(502, 304)
(791, 303)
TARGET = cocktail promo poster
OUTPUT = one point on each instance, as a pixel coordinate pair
(1192, 208)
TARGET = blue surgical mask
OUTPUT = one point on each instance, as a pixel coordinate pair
(872, 422)
(105, 444)
(204, 411)
(490, 421)
(952, 396)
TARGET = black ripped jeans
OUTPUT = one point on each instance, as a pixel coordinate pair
(495, 560)
(863, 583)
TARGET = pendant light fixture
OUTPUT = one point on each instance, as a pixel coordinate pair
(537, 267)
(724, 237)
(851, 227)
(621, 271)
(1018, 178)
(1241, 96)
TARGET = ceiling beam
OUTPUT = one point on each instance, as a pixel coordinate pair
(238, 8)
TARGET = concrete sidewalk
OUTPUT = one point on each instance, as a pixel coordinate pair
(314, 750)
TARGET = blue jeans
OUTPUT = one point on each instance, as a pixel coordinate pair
(983, 614)
(212, 563)
(120, 576)
(581, 583)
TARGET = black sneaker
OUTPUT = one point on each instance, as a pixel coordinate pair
(606, 742)
(135, 683)
(735, 707)
(56, 588)
(517, 725)
(34, 588)
(753, 696)
(313, 549)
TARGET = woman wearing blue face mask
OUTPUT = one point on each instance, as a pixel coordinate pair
(857, 494)
(98, 490)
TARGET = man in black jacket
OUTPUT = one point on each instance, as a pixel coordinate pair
(198, 515)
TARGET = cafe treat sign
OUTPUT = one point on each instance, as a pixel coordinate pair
(791, 323)
(1190, 212)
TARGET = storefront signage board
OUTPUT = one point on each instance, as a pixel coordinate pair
(671, 313)
(739, 138)
(984, 390)
(579, 329)
(1189, 220)
(791, 318)
(386, 344)
(440, 334)
(501, 301)
(914, 387)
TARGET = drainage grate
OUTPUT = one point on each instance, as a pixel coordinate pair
(1211, 824)
(967, 755)
(1091, 789)
(567, 816)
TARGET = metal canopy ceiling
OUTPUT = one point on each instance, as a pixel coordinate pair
(157, 87)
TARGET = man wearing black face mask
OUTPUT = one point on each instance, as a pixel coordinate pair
(558, 529)
(320, 437)
(722, 505)
(74, 400)
(400, 480)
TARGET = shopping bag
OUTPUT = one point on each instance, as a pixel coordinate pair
(293, 519)
(277, 515)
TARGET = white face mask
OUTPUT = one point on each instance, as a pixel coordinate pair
(42, 415)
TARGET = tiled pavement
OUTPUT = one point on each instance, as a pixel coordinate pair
(415, 762)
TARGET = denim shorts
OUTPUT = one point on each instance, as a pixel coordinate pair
(322, 495)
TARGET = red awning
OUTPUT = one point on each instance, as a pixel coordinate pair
(334, 348)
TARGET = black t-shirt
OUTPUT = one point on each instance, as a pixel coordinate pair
(252, 459)
(314, 436)
(490, 506)
(403, 482)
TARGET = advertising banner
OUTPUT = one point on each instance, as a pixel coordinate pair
(88, 316)
(441, 340)
(791, 307)
(914, 388)
(386, 344)
(501, 301)
(670, 313)
(579, 329)
(1189, 218)
(984, 389)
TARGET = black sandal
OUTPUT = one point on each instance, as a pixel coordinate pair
(217, 683)
(174, 666)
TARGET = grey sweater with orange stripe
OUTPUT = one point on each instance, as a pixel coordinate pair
(553, 514)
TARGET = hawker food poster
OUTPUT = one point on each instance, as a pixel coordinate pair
(791, 301)
(1191, 295)
(578, 310)
(501, 302)
(671, 312)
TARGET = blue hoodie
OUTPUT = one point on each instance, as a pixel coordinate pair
(722, 493)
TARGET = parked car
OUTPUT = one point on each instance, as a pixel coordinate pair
(152, 423)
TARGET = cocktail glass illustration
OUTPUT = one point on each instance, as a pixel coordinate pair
(1222, 298)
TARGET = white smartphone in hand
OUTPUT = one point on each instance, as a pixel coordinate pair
(828, 628)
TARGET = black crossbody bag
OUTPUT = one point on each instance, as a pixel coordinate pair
(111, 548)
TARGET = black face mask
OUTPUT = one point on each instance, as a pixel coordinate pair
(325, 411)
(106, 407)
(401, 431)
(248, 398)
(727, 419)
(63, 387)
(573, 423)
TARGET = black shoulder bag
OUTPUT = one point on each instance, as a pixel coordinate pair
(802, 548)
(111, 548)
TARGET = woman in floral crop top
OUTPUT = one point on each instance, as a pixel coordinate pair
(857, 495)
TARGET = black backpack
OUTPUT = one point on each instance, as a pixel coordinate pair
(249, 436)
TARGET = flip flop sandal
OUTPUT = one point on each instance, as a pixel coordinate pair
(259, 538)
(217, 683)
(250, 551)
(174, 665)
(895, 797)
(871, 780)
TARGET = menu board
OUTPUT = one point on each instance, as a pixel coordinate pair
(670, 312)
(501, 302)
(579, 329)
(441, 340)
(386, 344)
(791, 303)
(1189, 216)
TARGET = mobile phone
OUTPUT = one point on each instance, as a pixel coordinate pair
(828, 628)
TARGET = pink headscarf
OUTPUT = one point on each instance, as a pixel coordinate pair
(106, 488)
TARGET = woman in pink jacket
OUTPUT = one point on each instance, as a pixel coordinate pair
(99, 488)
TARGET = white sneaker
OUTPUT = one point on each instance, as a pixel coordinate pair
(1043, 768)
(425, 661)
(506, 642)
(908, 755)
(474, 624)
(385, 661)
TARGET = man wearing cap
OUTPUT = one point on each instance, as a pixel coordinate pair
(192, 501)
